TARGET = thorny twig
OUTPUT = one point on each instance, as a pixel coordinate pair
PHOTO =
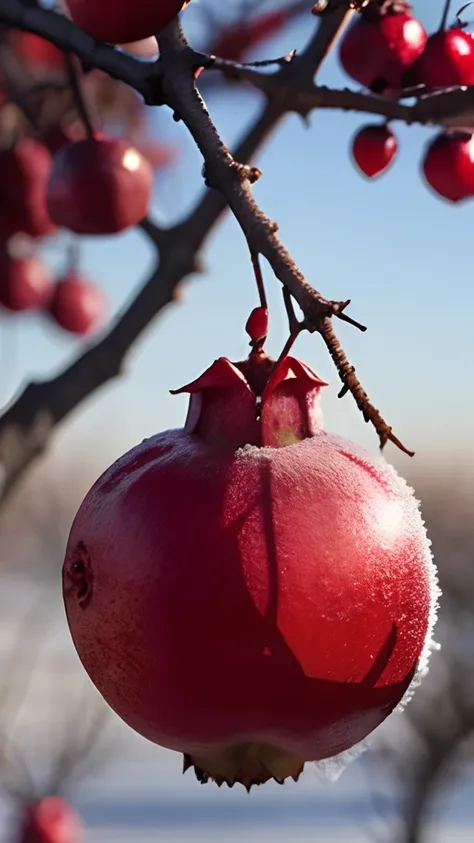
(27, 425)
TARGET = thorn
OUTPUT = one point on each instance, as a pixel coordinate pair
(187, 763)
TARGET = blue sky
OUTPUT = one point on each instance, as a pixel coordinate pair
(400, 254)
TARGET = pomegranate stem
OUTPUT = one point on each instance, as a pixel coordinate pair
(80, 102)
(254, 257)
(444, 17)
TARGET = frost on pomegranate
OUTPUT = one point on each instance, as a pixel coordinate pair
(252, 591)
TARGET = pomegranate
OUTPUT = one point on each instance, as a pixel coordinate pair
(374, 148)
(99, 186)
(381, 45)
(25, 283)
(251, 591)
(50, 820)
(77, 305)
(125, 21)
(448, 165)
(24, 172)
(447, 60)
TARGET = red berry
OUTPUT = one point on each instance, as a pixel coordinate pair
(251, 591)
(449, 166)
(77, 305)
(374, 148)
(25, 283)
(36, 50)
(257, 324)
(448, 59)
(24, 172)
(99, 186)
(124, 21)
(50, 820)
(378, 52)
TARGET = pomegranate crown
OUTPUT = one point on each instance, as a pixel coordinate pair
(258, 401)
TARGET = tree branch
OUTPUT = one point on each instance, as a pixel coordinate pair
(27, 425)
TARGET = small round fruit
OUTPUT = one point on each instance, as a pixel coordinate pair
(447, 60)
(50, 820)
(448, 165)
(123, 21)
(25, 283)
(374, 148)
(77, 305)
(376, 51)
(99, 186)
(251, 591)
(24, 172)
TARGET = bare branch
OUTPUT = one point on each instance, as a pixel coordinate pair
(27, 425)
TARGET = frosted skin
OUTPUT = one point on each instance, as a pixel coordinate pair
(271, 594)
(100, 186)
(122, 21)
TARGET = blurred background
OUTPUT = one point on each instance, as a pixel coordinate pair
(402, 256)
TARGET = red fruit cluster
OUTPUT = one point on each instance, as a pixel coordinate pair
(382, 44)
(387, 51)
(73, 302)
(256, 593)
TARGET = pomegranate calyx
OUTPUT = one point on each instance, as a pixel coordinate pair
(246, 764)
(257, 402)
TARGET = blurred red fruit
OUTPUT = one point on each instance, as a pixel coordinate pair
(449, 166)
(251, 591)
(25, 283)
(447, 60)
(159, 155)
(37, 51)
(50, 820)
(123, 22)
(376, 51)
(77, 305)
(235, 41)
(24, 173)
(374, 148)
(99, 186)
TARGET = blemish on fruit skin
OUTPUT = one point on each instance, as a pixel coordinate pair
(79, 575)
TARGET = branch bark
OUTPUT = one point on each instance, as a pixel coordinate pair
(27, 425)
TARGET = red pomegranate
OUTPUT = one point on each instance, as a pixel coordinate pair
(447, 60)
(50, 820)
(24, 172)
(77, 305)
(99, 186)
(25, 283)
(381, 45)
(250, 591)
(448, 165)
(374, 148)
(124, 21)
